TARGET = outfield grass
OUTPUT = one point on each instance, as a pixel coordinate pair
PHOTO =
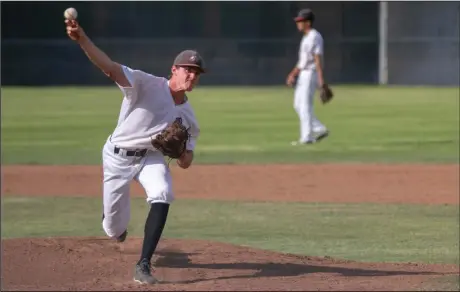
(386, 233)
(69, 125)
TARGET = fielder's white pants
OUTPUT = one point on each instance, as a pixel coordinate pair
(303, 105)
(151, 171)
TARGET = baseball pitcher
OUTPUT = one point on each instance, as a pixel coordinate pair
(155, 121)
(306, 76)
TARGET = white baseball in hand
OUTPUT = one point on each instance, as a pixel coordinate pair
(70, 13)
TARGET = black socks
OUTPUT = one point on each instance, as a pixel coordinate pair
(154, 226)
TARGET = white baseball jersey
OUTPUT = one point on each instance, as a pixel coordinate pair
(311, 44)
(147, 109)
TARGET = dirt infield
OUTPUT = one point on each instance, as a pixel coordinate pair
(100, 264)
(418, 184)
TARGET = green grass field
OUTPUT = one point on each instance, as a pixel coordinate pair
(242, 125)
(251, 125)
(368, 232)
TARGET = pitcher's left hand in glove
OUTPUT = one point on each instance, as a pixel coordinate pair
(172, 141)
(325, 94)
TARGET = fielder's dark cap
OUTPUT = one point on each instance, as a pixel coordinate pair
(304, 15)
(190, 58)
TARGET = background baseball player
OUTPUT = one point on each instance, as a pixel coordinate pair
(307, 75)
(154, 111)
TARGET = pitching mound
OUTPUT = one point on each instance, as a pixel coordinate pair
(101, 264)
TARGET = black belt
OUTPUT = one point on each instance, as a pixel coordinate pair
(138, 153)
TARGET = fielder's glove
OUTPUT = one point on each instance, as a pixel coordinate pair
(172, 141)
(325, 94)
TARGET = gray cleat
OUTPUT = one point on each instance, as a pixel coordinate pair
(122, 237)
(142, 273)
(313, 141)
(322, 136)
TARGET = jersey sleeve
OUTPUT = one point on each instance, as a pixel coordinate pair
(318, 45)
(136, 78)
(194, 133)
(187, 114)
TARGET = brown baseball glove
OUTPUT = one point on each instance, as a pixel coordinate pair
(326, 94)
(172, 140)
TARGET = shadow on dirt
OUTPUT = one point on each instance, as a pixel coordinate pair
(181, 260)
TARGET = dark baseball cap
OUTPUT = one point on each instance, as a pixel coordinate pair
(190, 58)
(304, 15)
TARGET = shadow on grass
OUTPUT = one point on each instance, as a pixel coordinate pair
(422, 142)
(182, 260)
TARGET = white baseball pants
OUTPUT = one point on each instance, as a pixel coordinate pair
(151, 171)
(303, 105)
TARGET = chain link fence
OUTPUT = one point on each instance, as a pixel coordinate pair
(423, 43)
(248, 43)
(229, 61)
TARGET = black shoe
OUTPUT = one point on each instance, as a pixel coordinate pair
(142, 273)
(122, 237)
